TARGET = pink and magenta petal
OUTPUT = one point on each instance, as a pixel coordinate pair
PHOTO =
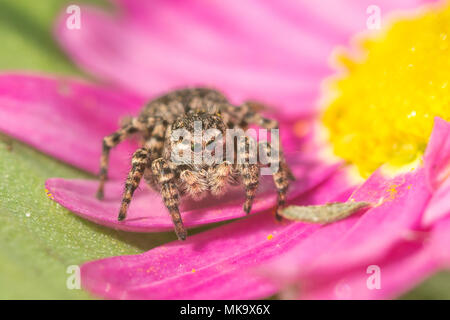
(150, 65)
(440, 242)
(404, 266)
(216, 264)
(439, 205)
(399, 203)
(437, 155)
(147, 212)
(65, 118)
(206, 266)
(437, 166)
(407, 264)
(156, 46)
(360, 240)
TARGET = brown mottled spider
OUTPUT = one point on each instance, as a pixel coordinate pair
(181, 109)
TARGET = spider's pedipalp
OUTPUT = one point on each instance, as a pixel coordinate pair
(139, 163)
(195, 183)
(220, 176)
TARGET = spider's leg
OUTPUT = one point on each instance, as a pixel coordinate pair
(110, 142)
(155, 143)
(250, 179)
(249, 172)
(139, 163)
(281, 173)
(246, 114)
(253, 117)
(170, 194)
(156, 140)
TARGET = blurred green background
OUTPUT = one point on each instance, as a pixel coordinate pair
(39, 239)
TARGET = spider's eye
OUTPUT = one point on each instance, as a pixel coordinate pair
(196, 146)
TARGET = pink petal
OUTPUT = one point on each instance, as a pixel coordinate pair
(359, 240)
(439, 205)
(399, 205)
(437, 155)
(406, 265)
(148, 213)
(437, 166)
(156, 46)
(440, 242)
(211, 265)
(65, 118)
(156, 67)
(299, 19)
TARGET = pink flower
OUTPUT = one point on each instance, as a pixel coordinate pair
(156, 46)
(326, 262)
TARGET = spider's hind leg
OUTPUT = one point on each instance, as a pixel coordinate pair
(248, 113)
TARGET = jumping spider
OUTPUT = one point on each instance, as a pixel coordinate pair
(181, 109)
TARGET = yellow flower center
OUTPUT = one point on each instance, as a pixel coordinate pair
(382, 108)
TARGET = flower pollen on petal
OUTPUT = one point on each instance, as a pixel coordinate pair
(382, 109)
(47, 192)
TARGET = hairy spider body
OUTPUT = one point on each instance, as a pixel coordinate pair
(181, 109)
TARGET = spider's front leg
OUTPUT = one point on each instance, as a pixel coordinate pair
(170, 194)
(282, 175)
(139, 163)
(250, 179)
(249, 171)
(110, 142)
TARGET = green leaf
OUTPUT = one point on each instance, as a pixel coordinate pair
(26, 31)
(39, 239)
(436, 287)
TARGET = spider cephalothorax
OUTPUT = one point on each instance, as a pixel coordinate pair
(184, 151)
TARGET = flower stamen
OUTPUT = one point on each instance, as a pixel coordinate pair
(383, 107)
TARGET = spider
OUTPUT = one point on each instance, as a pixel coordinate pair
(181, 109)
